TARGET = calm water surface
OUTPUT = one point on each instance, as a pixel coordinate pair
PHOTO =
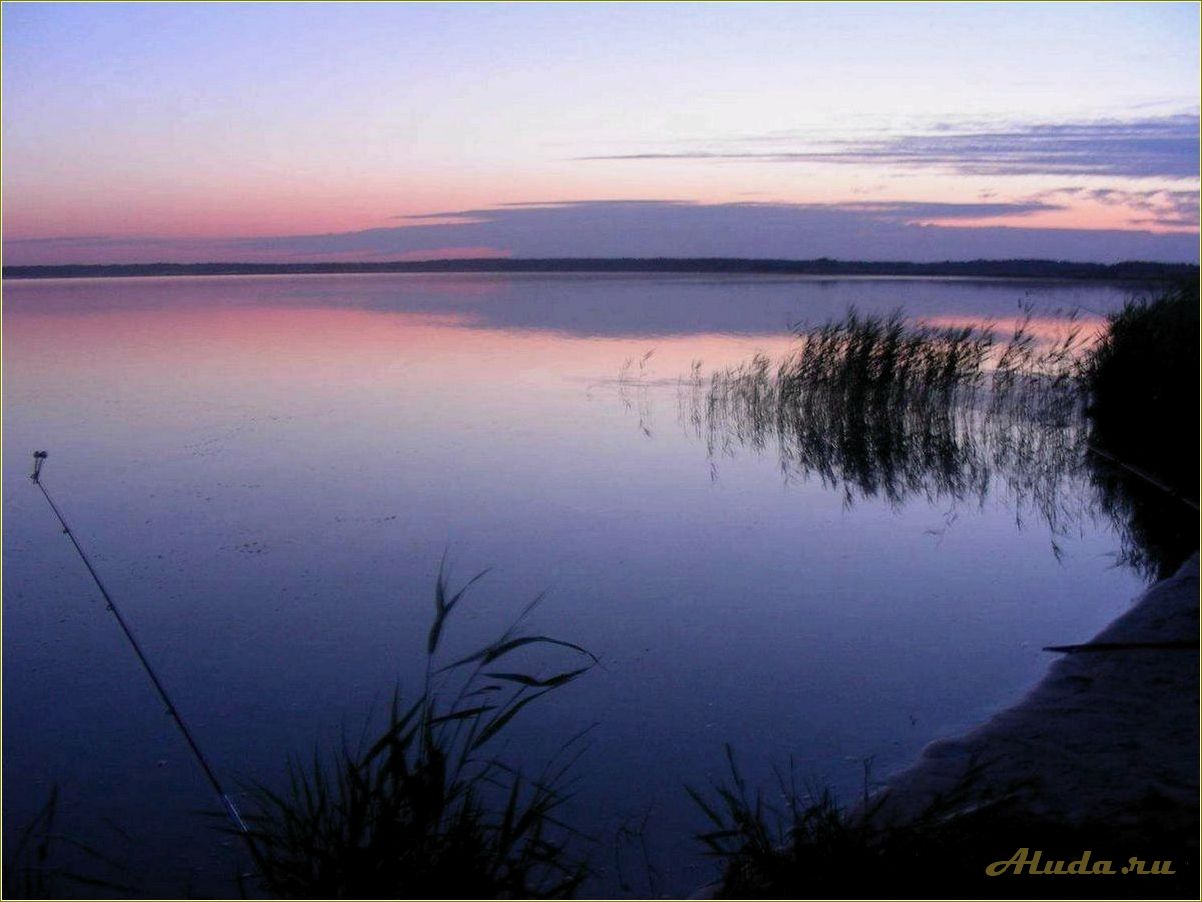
(267, 471)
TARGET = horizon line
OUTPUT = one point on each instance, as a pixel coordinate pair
(1025, 267)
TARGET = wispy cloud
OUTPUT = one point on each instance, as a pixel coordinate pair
(1164, 209)
(865, 230)
(918, 211)
(893, 211)
(1156, 147)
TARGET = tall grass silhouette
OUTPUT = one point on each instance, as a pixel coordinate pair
(882, 408)
(424, 810)
(1143, 392)
(799, 842)
(878, 407)
(42, 861)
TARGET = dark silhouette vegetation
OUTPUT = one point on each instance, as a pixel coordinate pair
(1142, 384)
(799, 843)
(423, 809)
(874, 406)
(43, 861)
(877, 407)
(419, 808)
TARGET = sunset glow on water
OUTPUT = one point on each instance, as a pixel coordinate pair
(804, 372)
(268, 470)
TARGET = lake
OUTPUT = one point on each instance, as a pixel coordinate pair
(267, 471)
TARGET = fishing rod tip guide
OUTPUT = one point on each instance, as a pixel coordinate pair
(39, 457)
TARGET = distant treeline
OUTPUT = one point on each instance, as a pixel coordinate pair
(997, 269)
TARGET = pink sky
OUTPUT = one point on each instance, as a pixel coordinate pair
(174, 132)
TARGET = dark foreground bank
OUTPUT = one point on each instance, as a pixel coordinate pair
(1087, 788)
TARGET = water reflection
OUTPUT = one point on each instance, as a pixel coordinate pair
(1157, 531)
(578, 305)
(947, 448)
(879, 409)
(203, 429)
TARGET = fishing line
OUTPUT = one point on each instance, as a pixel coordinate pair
(1144, 475)
(39, 458)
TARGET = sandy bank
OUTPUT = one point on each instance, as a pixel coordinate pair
(1108, 736)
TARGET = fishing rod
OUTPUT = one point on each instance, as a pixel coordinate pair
(1142, 474)
(231, 810)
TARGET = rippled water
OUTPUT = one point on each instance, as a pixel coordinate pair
(267, 471)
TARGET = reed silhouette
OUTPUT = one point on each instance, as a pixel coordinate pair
(799, 842)
(423, 809)
(879, 408)
(1066, 430)
(1142, 386)
(876, 407)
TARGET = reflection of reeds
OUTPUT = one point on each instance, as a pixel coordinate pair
(38, 862)
(1143, 394)
(422, 811)
(878, 407)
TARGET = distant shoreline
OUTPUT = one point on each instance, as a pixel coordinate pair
(1132, 271)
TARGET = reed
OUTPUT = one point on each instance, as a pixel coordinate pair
(1141, 381)
(804, 845)
(878, 407)
(42, 861)
(423, 809)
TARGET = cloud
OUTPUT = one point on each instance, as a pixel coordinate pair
(917, 211)
(1167, 209)
(899, 211)
(919, 231)
(1170, 222)
(1156, 147)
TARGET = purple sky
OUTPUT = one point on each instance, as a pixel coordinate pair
(182, 132)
